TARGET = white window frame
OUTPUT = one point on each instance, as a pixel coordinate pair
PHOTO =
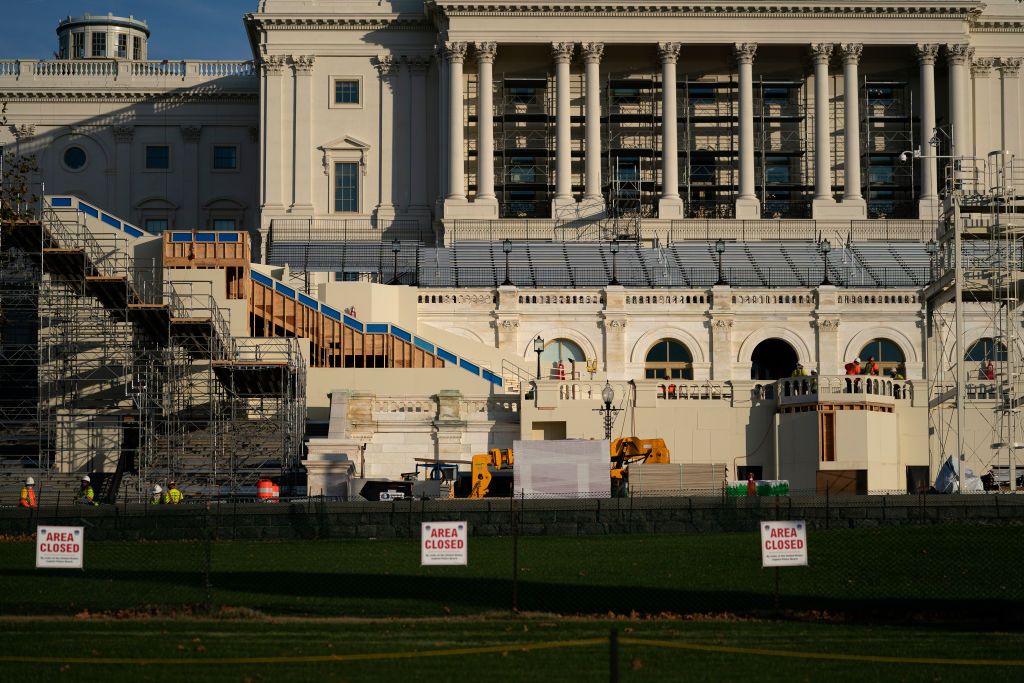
(351, 150)
(345, 105)
(359, 185)
(213, 154)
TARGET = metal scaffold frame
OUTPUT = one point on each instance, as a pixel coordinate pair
(888, 131)
(782, 133)
(709, 145)
(632, 119)
(525, 130)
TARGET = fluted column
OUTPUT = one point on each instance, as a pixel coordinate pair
(670, 205)
(455, 55)
(959, 59)
(562, 54)
(302, 174)
(387, 68)
(1009, 72)
(273, 153)
(485, 54)
(820, 54)
(747, 204)
(985, 108)
(593, 197)
(418, 202)
(851, 126)
(927, 205)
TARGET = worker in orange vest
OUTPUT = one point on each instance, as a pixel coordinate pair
(28, 494)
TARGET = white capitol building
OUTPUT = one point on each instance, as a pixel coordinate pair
(682, 200)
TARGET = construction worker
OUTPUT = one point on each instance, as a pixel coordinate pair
(157, 498)
(85, 493)
(854, 367)
(28, 494)
(799, 371)
(871, 367)
(173, 495)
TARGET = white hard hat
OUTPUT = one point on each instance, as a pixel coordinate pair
(86, 478)
(30, 482)
(856, 360)
(157, 489)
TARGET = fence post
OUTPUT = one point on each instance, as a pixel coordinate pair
(208, 561)
(613, 656)
(515, 552)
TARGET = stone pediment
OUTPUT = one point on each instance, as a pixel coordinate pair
(345, 148)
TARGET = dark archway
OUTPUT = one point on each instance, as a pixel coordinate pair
(772, 359)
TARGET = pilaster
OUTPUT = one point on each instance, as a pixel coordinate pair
(1011, 137)
(387, 70)
(450, 426)
(614, 321)
(191, 174)
(419, 206)
(123, 136)
(826, 324)
(302, 171)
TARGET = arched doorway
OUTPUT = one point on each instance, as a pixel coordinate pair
(772, 359)
(668, 359)
(563, 351)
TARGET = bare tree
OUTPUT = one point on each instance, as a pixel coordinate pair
(17, 195)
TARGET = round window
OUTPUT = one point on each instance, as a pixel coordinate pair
(74, 158)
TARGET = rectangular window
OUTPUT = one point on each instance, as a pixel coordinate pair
(224, 224)
(136, 48)
(881, 170)
(63, 54)
(122, 46)
(78, 45)
(346, 187)
(777, 170)
(346, 91)
(156, 225)
(99, 45)
(158, 157)
(225, 157)
(628, 95)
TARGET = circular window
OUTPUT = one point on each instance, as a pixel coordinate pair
(74, 158)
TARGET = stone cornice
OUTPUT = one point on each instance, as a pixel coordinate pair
(127, 96)
(343, 22)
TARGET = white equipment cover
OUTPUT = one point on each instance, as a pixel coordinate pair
(571, 468)
(945, 481)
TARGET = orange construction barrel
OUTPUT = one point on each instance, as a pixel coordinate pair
(265, 490)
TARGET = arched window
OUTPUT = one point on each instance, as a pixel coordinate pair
(886, 353)
(561, 351)
(986, 349)
(772, 359)
(668, 359)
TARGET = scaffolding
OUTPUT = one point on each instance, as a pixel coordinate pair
(709, 146)
(525, 139)
(632, 131)
(888, 124)
(974, 406)
(781, 134)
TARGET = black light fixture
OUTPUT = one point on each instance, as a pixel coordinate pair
(506, 247)
(824, 247)
(606, 411)
(396, 247)
(615, 272)
(720, 250)
(538, 348)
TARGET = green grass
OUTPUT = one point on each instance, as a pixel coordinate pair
(189, 642)
(951, 569)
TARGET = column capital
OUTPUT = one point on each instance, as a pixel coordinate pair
(982, 66)
(744, 52)
(303, 63)
(562, 52)
(454, 52)
(821, 52)
(668, 53)
(486, 52)
(274, 64)
(926, 53)
(1009, 66)
(592, 52)
(191, 134)
(386, 66)
(123, 134)
(419, 63)
(851, 51)
(959, 54)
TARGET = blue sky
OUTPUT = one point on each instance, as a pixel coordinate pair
(180, 29)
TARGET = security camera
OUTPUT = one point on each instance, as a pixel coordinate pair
(903, 156)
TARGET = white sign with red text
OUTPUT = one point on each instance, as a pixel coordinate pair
(783, 544)
(59, 547)
(444, 543)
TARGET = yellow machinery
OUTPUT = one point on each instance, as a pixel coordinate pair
(497, 463)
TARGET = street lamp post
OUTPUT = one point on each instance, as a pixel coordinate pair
(720, 250)
(615, 272)
(824, 247)
(506, 247)
(538, 348)
(396, 247)
(606, 411)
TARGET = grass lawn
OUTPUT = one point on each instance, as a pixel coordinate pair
(947, 569)
(188, 646)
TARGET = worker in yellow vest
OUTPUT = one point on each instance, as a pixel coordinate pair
(173, 495)
(85, 493)
(28, 494)
(157, 496)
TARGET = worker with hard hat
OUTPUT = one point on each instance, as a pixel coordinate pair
(85, 493)
(157, 497)
(28, 494)
(173, 495)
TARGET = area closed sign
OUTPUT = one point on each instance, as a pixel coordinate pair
(783, 544)
(59, 547)
(444, 543)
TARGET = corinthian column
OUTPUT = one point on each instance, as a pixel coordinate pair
(302, 194)
(852, 198)
(670, 205)
(593, 199)
(485, 54)
(455, 55)
(959, 60)
(747, 205)
(562, 54)
(1009, 72)
(820, 54)
(928, 203)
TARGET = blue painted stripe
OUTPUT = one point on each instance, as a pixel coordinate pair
(228, 237)
(284, 289)
(134, 232)
(353, 323)
(181, 237)
(110, 220)
(60, 201)
(466, 365)
(262, 279)
(330, 313)
(85, 208)
(312, 303)
(376, 328)
(206, 237)
(426, 346)
(492, 378)
(401, 334)
(446, 355)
